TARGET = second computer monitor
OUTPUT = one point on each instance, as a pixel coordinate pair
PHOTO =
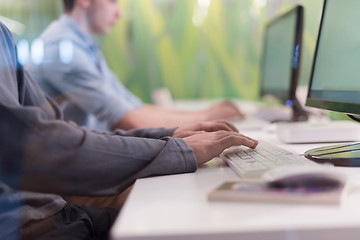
(335, 83)
(281, 59)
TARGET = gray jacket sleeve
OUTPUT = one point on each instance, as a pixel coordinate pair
(52, 156)
(156, 133)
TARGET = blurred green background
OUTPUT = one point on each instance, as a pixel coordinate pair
(196, 48)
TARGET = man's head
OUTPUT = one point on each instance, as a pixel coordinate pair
(69, 5)
(100, 16)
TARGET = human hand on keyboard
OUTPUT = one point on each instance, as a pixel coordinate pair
(208, 126)
(207, 145)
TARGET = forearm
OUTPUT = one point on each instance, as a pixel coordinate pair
(152, 116)
(63, 159)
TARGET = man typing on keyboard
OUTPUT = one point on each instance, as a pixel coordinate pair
(42, 158)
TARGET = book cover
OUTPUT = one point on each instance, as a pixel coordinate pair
(255, 190)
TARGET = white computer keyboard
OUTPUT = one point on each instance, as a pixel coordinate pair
(253, 163)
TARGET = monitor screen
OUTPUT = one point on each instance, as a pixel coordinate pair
(281, 55)
(335, 83)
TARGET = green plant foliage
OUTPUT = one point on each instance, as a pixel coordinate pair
(35, 15)
(158, 45)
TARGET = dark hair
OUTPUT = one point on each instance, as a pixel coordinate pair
(69, 5)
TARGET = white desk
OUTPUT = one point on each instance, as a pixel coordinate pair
(176, 207)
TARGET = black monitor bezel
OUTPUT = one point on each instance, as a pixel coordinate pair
(295, 71)
(343, 107)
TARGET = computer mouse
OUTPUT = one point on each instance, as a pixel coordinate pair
(314, 177)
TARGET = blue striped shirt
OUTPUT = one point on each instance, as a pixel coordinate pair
(74, 72)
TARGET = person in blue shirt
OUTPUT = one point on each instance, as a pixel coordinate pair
(75, 73)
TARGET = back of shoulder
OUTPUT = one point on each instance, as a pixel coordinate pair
(56, 30)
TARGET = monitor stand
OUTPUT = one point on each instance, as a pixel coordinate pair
(347, 155)
(299, 114)
(292, 111)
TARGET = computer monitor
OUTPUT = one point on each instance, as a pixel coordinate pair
(335, 83)
(281, 60)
